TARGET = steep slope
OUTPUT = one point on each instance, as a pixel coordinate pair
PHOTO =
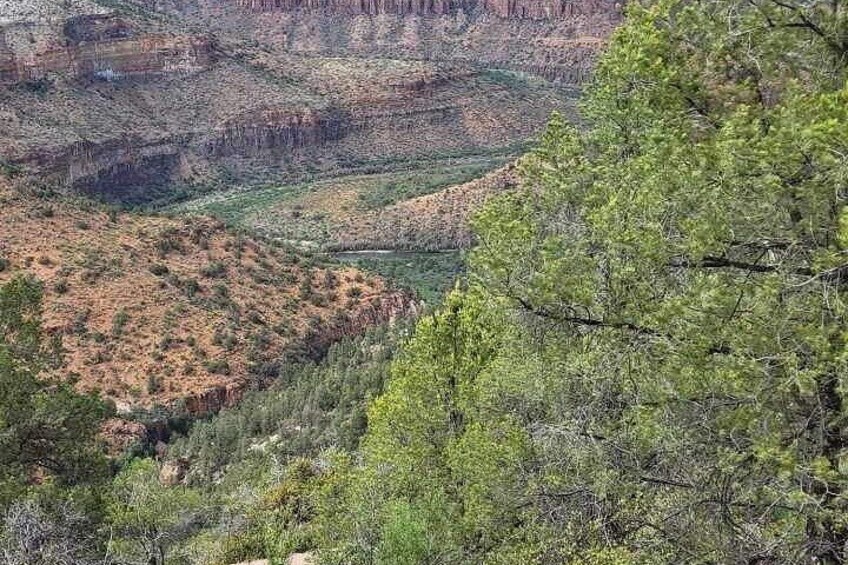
(558, 39)
(178, 313)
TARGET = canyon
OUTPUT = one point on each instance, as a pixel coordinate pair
(138, 102)
(155, 102)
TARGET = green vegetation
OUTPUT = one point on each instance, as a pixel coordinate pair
(648, 363)
(429, 275)
(395, 188)
(648, 366)
(58, 505)
(292, 212)
(50, 464)
(311, 407)
(47, 428)
(147, 519)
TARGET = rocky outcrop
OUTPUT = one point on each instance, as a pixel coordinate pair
(118, 169)
(359, 7)
(173, 472)
(383, 309)
(120, 435)
(506, 9)
(556, 39)
(109, 59)
(214, 399)
(549, 9)
(270, 131)
(129, 168)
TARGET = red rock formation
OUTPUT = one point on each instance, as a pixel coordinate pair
(356, 7)
(380, 310)
(110, 59)
(120, 435)
(548, 9)
(214, 399)
(115, 168)
(507, 9)
(556, 39)
(150, 54)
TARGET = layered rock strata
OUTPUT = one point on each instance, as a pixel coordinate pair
(506, 9)
(109, 59)
(556, 39)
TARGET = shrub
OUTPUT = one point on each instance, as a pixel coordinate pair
(159, 269)
(119, 322)
(153, 384)
(191, 287)
(218, 366)
(44, 211)
(60, 286)
(169, 240)
(214, 270)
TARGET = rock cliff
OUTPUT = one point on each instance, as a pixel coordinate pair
(507, 9)
(375, 311)
(556, 39)
(109, 57)
(274, 130)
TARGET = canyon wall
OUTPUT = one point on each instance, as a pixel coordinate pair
(556, 39)
(113, 106)
(129, 169)
(108, 59)
(271, 131)
(507, 9)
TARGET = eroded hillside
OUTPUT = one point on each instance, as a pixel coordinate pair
(178, 313)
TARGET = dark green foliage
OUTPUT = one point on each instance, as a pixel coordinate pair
(61, 286)
(310, 407)
(159, 269)
(119, 322)
(214, 270)
(429, 275)
(45, 427)
(218, 366)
